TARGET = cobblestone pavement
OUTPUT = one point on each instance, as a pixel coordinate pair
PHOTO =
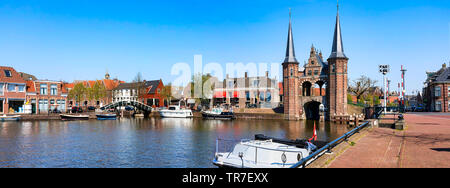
(424, 144)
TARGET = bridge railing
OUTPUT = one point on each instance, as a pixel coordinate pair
(138, 104)
(310, 158)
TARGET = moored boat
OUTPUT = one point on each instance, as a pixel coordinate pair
(217, 113)
(68, 117)
(106, 116)
(175, 111)
(10, 118)
(264, 152)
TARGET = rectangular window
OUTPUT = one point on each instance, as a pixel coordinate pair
(21, 88)
(437, 91)
(230, 84)
(8, 73)
(448, 91)
(1, 89)
(255, 83)
(53, 89)
(43, 89)
(438, 106)
(11, 87)
(316, 72)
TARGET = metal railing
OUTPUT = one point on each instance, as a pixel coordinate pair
(310, 158)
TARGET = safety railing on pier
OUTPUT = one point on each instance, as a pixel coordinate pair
(310, 158)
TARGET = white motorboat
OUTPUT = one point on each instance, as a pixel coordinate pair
(176, 112)
(217, 113)
(9, 118)
(264, 152)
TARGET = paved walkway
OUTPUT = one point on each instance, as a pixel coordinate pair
(424, 144)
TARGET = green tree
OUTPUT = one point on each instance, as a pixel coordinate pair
(78, 93)
(349, 99)
(166, 93)
(376, 100)
(199, 80)
(98, 91)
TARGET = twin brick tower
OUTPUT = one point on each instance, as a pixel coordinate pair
(297, 80)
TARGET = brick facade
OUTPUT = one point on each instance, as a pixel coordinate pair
(337, 87)
(12, 90)
(46, 96)
(436, 93)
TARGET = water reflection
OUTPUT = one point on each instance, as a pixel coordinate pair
(137, 142)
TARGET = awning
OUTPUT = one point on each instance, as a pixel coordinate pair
(220, 94)
(236, 94)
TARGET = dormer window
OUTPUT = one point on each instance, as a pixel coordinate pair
(8, 73)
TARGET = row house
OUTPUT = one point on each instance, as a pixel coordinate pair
(12, 91)
(46, 96)
(109, 84)
(436, 91)
(258, 91)
(149, 93)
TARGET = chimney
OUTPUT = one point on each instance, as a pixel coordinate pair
(267, 74)
(246, 74)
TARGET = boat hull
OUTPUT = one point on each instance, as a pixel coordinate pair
(172, 114)
(11, 118)
(106, 117)
(218, 116)
(74, 117)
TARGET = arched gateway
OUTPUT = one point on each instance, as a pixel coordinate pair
(316, 82)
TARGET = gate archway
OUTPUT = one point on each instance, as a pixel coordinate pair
(312, 110)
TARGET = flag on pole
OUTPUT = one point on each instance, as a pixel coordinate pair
(314, 134)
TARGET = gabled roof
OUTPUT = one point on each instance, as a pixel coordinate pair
(444, 75)
(152, 85)
(14, 78)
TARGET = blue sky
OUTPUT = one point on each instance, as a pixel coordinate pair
(74, 40)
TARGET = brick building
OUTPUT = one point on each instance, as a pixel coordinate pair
(12, 91)
(257, 91)
(151, 93)
(300, 84)
(436, 92)
(109, 84)
(45, 96)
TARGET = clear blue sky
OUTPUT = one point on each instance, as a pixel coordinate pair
(81, 39)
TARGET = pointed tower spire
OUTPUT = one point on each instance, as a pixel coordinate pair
(338, 47)
(290, 52)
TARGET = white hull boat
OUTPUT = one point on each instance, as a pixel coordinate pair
(176, 112)
(264, 153)
(10, 118)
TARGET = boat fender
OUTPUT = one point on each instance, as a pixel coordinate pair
(299, 156)
(283, 158)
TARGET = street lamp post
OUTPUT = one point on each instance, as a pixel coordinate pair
(384, 69)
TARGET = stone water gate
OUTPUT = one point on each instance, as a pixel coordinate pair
(316, 82)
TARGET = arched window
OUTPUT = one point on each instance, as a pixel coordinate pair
(292, 72)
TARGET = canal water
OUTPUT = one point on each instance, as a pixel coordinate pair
(154, 142)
